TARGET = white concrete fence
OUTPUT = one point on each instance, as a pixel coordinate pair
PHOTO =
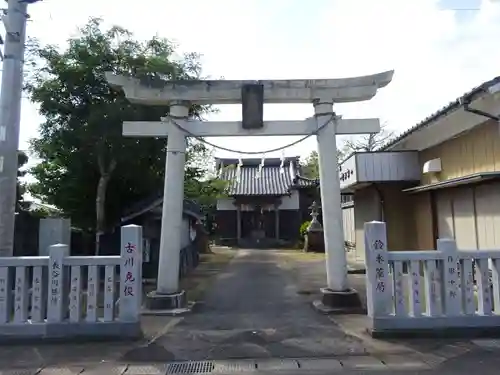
(436, 292)
(59, 296)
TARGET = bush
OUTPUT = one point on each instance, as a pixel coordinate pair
(303, 228)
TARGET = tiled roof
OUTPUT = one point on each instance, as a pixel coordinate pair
(304, 182)
(454, 105)
(273, 179)
(190, 207)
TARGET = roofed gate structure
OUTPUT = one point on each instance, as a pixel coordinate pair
(325, 124)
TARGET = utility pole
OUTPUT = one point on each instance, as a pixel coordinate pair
(14, 19)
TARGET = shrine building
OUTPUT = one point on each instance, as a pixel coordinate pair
(266, 202)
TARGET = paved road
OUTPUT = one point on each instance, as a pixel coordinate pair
(253, 310)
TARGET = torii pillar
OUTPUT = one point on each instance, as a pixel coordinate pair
(337, 295)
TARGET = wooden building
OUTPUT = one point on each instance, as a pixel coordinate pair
(147, 213)
(265, 204)
(440, 179)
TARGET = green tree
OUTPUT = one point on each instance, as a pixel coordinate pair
(200, 185)
(88, 169)
(310, 167)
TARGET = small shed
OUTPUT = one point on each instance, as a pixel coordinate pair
(147, 213)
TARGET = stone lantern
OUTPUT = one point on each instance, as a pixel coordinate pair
(314, 240)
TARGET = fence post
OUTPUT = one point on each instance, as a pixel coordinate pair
(5, 297)
(451, 294)
(379, 299)
(56, 299)
(131, 273)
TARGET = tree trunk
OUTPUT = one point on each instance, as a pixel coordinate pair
(100, 201)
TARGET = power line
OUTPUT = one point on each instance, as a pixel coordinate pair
(202, 140)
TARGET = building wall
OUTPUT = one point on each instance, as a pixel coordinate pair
(290, 218)
(423, 236)
(475, 151)
(226, 224)
(470, 215)
(53, 231)
(388, 202)
(290, 222)
(290, 202)
(225, 204)
(459, 212)
(367, 207)
(487, 209)
(395, 206)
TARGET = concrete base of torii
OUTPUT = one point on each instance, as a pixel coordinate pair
(335, 302)
(166, 304)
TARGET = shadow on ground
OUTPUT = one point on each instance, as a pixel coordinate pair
(35, 356)
(253, 310)
(257, 307)
(309, 276)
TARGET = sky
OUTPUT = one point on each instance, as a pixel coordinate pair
(437, 51)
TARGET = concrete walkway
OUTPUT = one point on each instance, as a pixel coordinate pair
(253, 310)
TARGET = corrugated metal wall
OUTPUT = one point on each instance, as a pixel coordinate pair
(471, 215)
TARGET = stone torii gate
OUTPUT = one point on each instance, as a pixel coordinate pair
(322, 93)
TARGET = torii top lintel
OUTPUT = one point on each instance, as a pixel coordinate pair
(159, 92)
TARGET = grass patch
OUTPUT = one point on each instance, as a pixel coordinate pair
(198, 280)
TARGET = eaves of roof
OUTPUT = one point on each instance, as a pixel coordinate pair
(300, 182)
(190, 208)
(450, 107)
